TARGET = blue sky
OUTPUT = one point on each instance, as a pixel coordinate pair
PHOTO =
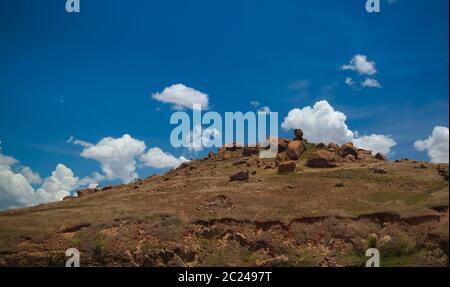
(91, 75)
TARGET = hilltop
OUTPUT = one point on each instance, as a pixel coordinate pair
(312, 205)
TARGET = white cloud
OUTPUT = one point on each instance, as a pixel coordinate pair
(322, 123)
(377, 143)
(361, 64)
(182, 97)
(349, 82)
(116, 156)
(157, 158)
(370, 83)
(58, 185)
(31, 176)
(16, 190)
(437, 145)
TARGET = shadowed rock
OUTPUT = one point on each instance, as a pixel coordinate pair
(322, 159)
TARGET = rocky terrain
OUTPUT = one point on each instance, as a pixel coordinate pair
(313, 205)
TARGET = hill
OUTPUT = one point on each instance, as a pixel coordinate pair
(313, 205)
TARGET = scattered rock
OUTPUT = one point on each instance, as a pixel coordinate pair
(322, 159)
(86, 191)
(378, 170)
(347, 149)
(333, 146)
(295, 150)
(240, 176)
(380, 156)
(340, 184)
(421, 166)
(287, 167)
(321, 145)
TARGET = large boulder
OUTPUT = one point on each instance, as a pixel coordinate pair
(333, 146)
(380, 156)
(298, 134)
(295, 150)
(86, 191)
(322, 159)
(347, 149)
(287, 167)
(240, 176)
(281, 142)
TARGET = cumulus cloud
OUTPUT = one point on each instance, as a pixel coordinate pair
(16, 186)
(157, 158)
(322, 123)
(181, 97)
(376, 143)
(437, 145)
(361, 64)
(31, 176)
(117, 156)
(370, 83)
(58, 185)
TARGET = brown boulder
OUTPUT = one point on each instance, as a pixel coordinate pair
(281, 142)
(322, 159)
(240, 176)
(298, 134)
(347, 149)
(333, 146)
(295, 150)
(321, 145)
(86, 191)
(287, 167)
(68, 198)
(380, 156)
